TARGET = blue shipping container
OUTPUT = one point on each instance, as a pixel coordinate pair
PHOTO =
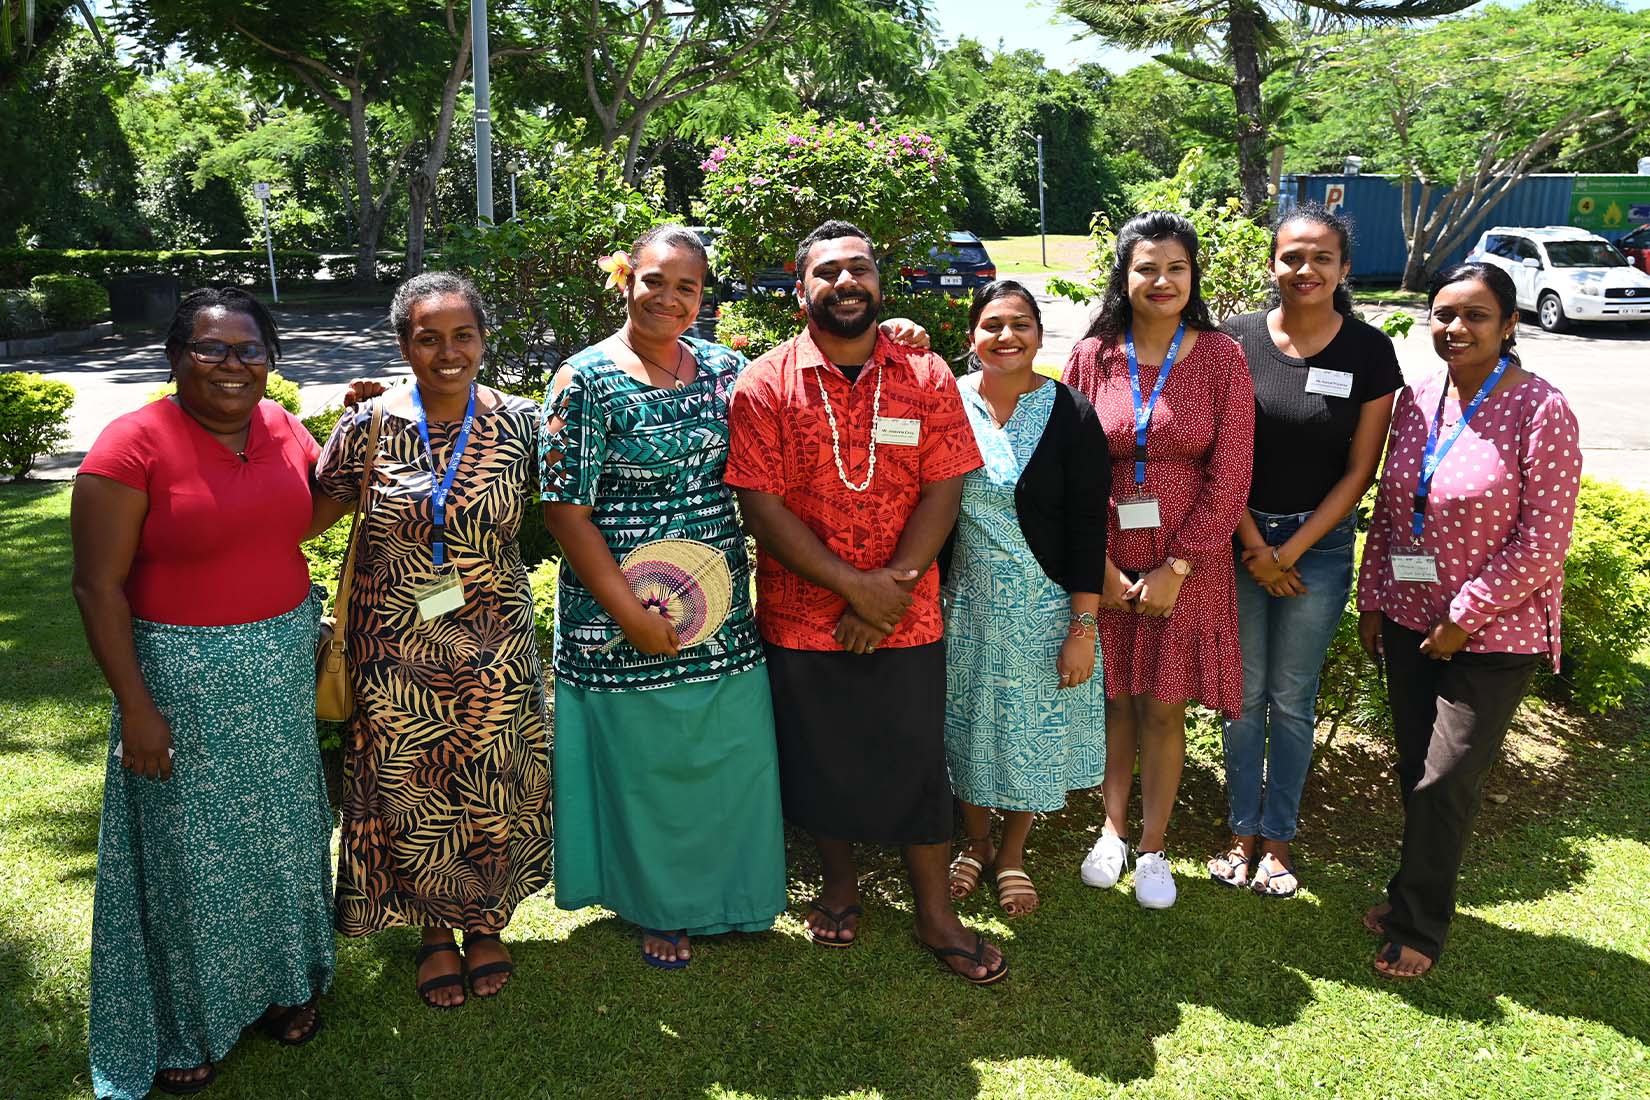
(1373, 203)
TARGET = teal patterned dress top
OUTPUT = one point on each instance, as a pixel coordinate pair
(213, 896)
(1014, 739)
(648, 461)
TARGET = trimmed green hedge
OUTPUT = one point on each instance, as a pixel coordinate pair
(70, 301)
(194, 266)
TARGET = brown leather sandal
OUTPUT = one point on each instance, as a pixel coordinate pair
(1016, 890)
(964, 876)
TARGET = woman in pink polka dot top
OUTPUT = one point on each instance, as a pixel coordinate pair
(1459, 589)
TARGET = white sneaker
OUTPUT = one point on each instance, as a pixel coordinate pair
(1153, 881)
(1105, 863)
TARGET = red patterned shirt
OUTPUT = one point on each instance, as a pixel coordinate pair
(782, 444)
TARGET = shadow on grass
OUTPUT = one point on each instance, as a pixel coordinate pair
(1097, 982)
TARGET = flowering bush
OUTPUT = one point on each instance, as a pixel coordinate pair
(944, 316)
(767, 190)
(753, 324)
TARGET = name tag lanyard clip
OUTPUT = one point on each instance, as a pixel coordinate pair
(1141, 509)
(441, 482)
(1437, 448)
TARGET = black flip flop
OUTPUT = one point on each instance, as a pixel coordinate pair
(442, 981)
(277, 1026)
(976, 956)
(836, 920)
(186, 1088)
(1394, 951)
(503, 966)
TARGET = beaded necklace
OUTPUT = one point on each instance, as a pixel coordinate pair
(836, 440)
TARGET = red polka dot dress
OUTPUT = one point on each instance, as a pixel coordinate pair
(1498, 517)
(1200, 450)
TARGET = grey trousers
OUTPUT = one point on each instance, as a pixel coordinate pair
(1449, 719)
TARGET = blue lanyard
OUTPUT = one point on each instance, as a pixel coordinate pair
(1143, 412)
(1433, 456)
(442, 484)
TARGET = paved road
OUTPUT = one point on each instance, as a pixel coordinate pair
(1605, 371)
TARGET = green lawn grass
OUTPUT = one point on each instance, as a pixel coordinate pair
(1545, 992)
(1024, 255)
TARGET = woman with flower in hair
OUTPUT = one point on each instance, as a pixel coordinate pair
(663, 755)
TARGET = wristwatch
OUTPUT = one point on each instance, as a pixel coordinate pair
(1180, 566)
(1085, 619)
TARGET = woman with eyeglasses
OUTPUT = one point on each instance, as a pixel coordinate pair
(213, 908)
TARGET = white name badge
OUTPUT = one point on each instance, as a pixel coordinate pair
(439, 597)
(1137, 513)
(1418, 568)
(897, 431)
(1330, 383)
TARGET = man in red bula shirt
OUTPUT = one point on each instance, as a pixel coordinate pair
(848, 453)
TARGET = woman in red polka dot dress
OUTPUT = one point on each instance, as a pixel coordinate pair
(1178, 408)
(1459, 589)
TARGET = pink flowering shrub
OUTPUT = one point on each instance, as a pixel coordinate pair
(766, 190)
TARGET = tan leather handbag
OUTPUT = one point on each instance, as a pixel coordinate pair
(334, 698)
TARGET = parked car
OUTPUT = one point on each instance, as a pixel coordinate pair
(961, 263)
(1566, 274)
(1636, 247)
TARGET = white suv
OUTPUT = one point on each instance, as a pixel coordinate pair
(1566, 274)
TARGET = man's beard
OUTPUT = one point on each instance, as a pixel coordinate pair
(822, 316)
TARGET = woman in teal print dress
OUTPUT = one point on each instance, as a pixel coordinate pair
(1025, 711)
(666, 770)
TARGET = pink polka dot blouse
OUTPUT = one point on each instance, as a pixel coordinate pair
(1498, 517)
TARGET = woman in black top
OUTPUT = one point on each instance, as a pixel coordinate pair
(1324, 386)
(1025, 711)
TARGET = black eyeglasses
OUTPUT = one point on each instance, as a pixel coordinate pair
(251, 353)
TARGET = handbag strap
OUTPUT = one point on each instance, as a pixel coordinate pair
(363, 507)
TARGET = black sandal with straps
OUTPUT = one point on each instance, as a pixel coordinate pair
(280, 1018)
(487, 970)
(837, 919)
(442, 981)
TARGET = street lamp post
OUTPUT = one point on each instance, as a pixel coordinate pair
(484, 122)
(1042, 214)
(515, 168)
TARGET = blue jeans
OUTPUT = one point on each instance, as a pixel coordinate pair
(1284, 641)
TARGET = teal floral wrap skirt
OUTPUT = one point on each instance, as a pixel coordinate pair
(213, 897)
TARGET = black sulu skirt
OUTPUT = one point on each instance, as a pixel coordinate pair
(862, 742)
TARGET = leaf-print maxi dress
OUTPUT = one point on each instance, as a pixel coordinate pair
(447, 787)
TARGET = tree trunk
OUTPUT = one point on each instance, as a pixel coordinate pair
(420, 193)
(369, 217)
(1243, 40)
(421, 188)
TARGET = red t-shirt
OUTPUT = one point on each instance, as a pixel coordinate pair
(219, 544)
(782, 444)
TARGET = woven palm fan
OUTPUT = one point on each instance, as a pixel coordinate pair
(685, 582)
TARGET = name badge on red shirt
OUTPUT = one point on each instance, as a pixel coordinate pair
(897, 431)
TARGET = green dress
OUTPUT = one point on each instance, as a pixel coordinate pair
(667, 784)
(212, 899)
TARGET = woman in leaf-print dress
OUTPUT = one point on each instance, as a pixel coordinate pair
(446, 821)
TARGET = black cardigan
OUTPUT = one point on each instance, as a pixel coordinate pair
(1063, 496)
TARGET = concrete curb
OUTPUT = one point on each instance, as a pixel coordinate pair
(55, 341)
